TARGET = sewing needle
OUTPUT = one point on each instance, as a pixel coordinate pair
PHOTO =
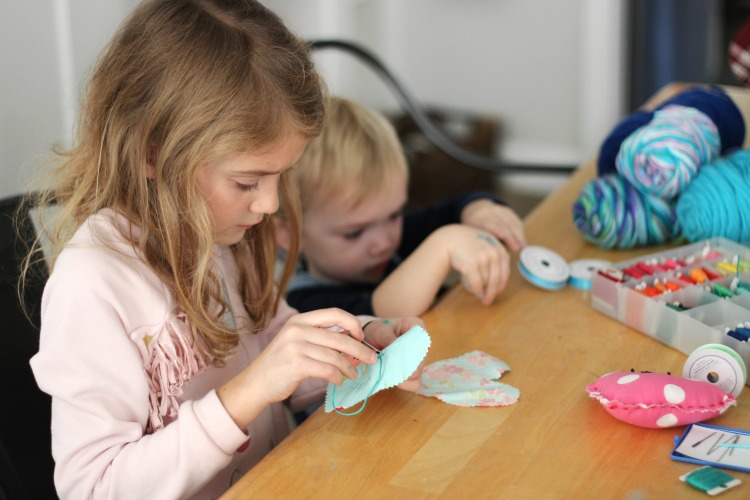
(367, 344)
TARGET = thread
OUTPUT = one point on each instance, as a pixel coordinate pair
(364, 402)
(717, 201)
(582, 270)
(719, 365)
(611, 213)
(664, 156)
(710, 480)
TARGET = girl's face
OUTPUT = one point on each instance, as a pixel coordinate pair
(242, 189)
(346, 245)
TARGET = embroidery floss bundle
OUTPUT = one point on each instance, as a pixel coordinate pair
(711, 101)
(716, 203)
(663, 157)
(611, 213)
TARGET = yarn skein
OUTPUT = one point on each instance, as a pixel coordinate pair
(713, 101)
(611, 213)
(717, 201)
(608, 151)
(662, 157)
(720, 108)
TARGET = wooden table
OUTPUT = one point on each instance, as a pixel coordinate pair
(555, 442)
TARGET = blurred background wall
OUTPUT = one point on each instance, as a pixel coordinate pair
(553, 76)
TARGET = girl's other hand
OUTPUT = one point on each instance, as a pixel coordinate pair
(380, 333)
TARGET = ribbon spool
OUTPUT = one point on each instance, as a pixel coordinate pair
(718, 365)
(546, 269)
(543, 267)
(582, 270)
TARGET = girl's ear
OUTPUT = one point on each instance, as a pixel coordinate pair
(281, 226)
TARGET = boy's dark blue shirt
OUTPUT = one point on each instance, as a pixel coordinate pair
(308, 293)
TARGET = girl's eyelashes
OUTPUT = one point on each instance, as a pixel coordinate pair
(248, 187)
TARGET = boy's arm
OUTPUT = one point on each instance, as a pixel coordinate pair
(411, 288)
(421, 222)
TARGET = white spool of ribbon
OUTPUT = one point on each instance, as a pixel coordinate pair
(546, 269)
(718, 365)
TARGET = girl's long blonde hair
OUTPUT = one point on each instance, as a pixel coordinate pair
(183, 83)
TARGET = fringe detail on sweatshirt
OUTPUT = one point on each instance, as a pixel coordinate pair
(172, 360)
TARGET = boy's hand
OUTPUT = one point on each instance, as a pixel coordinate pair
(380, 333)
(498, 220)
(483, 262)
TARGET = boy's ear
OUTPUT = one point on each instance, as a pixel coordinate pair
(283, 235)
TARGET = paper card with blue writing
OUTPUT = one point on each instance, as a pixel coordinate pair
(395, 364)
(468, 380)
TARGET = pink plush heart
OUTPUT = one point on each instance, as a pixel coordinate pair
(658, 400)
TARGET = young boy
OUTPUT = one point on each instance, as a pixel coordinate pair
(360, 252)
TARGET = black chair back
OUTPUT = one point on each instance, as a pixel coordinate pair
(26, 464)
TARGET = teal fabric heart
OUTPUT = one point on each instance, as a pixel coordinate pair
(394, 365)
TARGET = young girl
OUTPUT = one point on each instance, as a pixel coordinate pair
(164, 343)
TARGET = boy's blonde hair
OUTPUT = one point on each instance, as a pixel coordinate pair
(357, 152)
(183, 83)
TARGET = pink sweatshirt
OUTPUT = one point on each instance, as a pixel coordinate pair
(134, 411)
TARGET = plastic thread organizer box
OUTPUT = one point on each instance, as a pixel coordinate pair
(684, 297)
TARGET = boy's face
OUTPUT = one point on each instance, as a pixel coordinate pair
(345, 245)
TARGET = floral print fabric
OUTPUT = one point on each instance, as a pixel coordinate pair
(469, 380)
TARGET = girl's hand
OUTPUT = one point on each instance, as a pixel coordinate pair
(498, 220)
(303, 348)
(380, 333)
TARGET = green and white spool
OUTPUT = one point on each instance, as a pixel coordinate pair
(718, 365)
